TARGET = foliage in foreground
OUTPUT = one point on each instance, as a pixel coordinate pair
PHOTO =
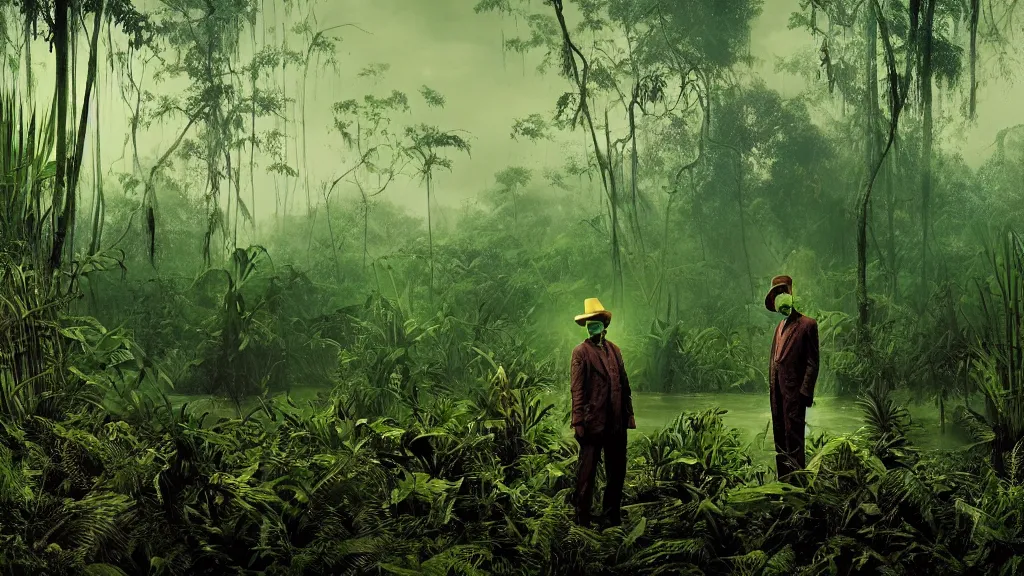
(348, 485)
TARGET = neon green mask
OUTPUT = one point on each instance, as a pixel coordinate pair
(784, 304)
(594, 328)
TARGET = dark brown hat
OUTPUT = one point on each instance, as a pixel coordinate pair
(780, 284)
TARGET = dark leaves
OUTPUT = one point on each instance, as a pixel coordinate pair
(136, 26)
(433, 98)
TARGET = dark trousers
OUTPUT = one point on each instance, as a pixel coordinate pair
(613, 443)
(788, 417)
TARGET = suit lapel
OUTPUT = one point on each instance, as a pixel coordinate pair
(602, 353)
(789, 337)
(599, 364)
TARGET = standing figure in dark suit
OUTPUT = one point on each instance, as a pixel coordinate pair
(602, 410)
(792, 374)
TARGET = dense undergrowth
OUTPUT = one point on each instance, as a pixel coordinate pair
(438, 445)
(376, 479)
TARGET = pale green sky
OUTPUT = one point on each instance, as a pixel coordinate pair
(446, 45)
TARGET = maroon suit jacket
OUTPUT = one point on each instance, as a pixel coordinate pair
(794, 357)
(601, 397)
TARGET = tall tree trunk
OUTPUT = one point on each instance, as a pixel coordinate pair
(634, 169)
(664, 255)
(334, 243)
(101, 202)
(239, 150)
(897, 89)
(743, 223)
(233, 178)
(214, 124)
(975, 14)
(29, 86)
(605, 161)
(305, 155)
(277, 128)
(926, 143)
(252, 119)
(870, 89)
(90, 82)
(366, 224)
(284, 103)
(60, 181)
(29, 80)
(72, 65)
(430, 244)
(890, 189)
(870, 159)
(613, 206)
(698, 214)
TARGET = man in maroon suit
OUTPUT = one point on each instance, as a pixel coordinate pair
(602, 410)
(792, 374)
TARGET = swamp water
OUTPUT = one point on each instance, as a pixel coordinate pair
(750, 414)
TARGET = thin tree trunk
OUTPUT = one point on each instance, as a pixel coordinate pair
(277, 120)
(430, 245)
(334, 244)
(605, 163)
(101, 202)
(29, 80)
(366, 224)
(634, 168)
(233, 178)
(293, 190)
(284, 101)
(60, 181)
(213, 146)
(305, 156)
(863, 316)
(90, 83)
(252, 119)
(926, 144)
(743, 223)
(698, 212)
(99, 205)
(871, 88)
(862, 216)
(72, 65)
(30, 88)
(236, 171)
(870, 161)
(975, 13)
(664, 255)
(942, 411)
(891, 206)
(613, 201)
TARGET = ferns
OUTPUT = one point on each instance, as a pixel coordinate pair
(697, 360)
(324, 493)
(886, 425)
(394, 473)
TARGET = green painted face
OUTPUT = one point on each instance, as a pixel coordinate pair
(595, 327)
(784, 304)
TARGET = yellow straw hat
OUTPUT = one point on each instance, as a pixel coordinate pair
(593, 310)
